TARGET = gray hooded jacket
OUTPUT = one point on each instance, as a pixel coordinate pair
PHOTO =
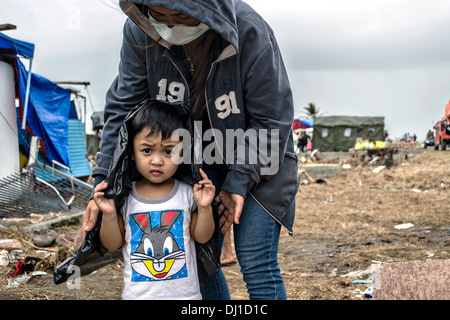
(247, 93)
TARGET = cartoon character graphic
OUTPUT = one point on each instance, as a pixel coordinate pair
(158, 255)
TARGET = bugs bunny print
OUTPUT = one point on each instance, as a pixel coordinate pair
(158, 256)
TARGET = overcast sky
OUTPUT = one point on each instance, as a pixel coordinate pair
(386, 58)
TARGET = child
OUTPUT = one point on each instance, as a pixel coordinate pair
(161, 217)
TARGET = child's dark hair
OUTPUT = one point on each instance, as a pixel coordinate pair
(160, 117)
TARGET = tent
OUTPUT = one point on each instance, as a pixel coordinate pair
(339, 133)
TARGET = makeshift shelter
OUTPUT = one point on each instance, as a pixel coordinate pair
(44, 110)
(339, 133)
(10, 52)
(32, 106)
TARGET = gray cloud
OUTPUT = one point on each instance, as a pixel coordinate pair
(362, 57)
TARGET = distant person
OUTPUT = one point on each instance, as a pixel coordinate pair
(302, 141)
(161, 217)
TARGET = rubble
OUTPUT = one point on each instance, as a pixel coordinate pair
(44, 237)
(5, 258)
(343, 227)
(29, 250)
(10, 244)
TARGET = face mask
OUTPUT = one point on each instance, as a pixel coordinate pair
(179, 34)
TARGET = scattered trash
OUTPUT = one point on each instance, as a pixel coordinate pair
(304, 181)
(368, 292)
(317, 155)
(388, 176)
(69, 240)
(416, 190)
(378, 169)
(5, 258)
(362, 281)
(17, 281)
(346, 166)
(361, 273)
(18, 270)
(25, 265)
(44, 238)
(10, 244)
(404, 226)
(17, 255)
(374, 160)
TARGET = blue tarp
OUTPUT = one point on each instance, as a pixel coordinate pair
(21, 48)
(302, 123)
(48, 113)
(48, 105)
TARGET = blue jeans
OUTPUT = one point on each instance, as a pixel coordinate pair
(217, 287)
(256, 243)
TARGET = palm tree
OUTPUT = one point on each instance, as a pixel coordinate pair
(312, 111)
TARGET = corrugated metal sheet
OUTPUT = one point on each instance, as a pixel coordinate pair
(39, 189)
(79, 165)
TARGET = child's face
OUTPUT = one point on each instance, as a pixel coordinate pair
(153, 157)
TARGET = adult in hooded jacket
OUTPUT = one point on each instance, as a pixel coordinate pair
(221, 59)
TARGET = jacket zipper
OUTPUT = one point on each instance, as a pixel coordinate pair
(206, 91)
(207, 109)
(192, 180)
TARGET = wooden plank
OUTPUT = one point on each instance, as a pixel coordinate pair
(7, 26)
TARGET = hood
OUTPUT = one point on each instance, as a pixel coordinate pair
(122, 171)
(219, 15)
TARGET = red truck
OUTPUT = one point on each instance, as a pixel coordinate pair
(442, 131)
(442, 134)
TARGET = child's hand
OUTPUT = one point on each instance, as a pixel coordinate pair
(204, 191)
(105, 205)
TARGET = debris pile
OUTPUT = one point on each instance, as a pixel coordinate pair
(26, 254)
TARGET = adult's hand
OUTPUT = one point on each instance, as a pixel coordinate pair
(89, 218)
(231, 207)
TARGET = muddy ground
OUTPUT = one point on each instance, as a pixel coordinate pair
(342, 227)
